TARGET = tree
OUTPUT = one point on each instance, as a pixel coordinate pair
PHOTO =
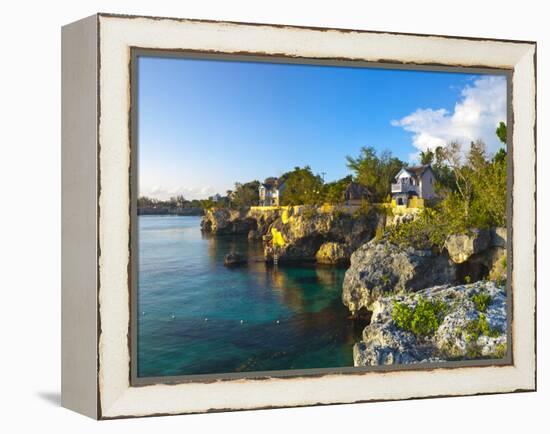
(501, 132)
(500, 156)
(302, 187)
(207, 203)
(489, 187)
(427, 157)
(177, 201)
(245, 195)
(333, 192)
(374, 171)
(444, 181)
(453, 157)
(479, 197)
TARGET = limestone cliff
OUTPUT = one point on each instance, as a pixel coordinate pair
(327, 235)
(314, 234)
(379, 268)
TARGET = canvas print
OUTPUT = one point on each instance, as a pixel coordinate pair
(301, 217)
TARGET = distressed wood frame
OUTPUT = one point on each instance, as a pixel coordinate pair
(96, 210)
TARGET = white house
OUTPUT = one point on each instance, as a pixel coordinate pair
(270, 193)
(417, 181)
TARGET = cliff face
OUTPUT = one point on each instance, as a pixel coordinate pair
(223, 221)
(300, 233)
(416, 314)
(329, 237)
(379, 268)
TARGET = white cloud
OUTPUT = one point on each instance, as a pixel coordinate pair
(475, 116)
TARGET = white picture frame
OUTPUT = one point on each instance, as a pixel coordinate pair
(96, 213)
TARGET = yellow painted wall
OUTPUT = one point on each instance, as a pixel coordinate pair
(416, 202)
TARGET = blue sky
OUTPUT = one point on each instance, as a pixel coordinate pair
(205, 124)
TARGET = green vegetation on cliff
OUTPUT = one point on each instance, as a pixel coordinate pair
(422, 319)
(472, 195)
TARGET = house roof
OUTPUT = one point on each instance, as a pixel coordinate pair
(416, 171)
(273, 184)
(419, 170)
(355, 190)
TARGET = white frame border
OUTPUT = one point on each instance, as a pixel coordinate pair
(116, 35)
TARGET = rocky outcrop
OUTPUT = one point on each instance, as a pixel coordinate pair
(264, 219)
(462, 246)
(301, 233)
(379, 268)
(223, 221)
(479, 254)
(234, 259)
(469, 323)
(309, 234)
(332, 253)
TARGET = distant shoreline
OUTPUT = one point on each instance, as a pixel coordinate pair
(171, 211)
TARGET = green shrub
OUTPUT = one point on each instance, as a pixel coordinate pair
(482, 300)
(500, 351)
(480, 327)
(402, 315)
(426, 231)
(422, 320)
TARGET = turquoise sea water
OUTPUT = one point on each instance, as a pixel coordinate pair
(196, 316)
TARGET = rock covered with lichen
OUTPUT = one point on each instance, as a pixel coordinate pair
(381, 268)
(329, 236)
(225, 221)
(441, 323)
(323, 234)
(332, 252)
(462, 246)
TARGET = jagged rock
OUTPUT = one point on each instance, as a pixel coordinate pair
(384, 344)
(332, 253)
(300, 232)
(378, 269)
(224, 221)
(234, 259)
(462, 246)
(458, 335)
(264, 218)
